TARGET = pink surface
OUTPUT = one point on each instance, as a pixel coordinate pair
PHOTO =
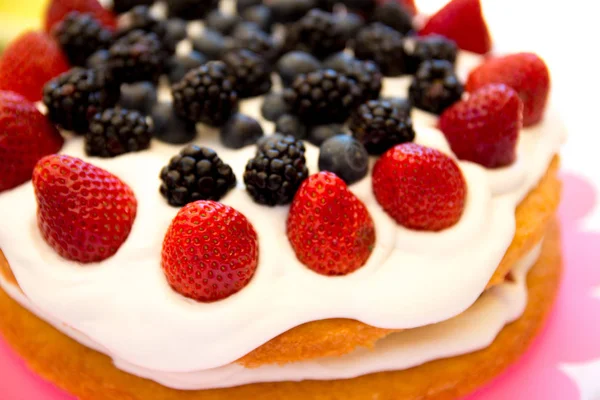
(570, 335)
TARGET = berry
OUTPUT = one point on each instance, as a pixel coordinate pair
(240, 131)
(419, 187)
(367, 75)
(393, 15)
(435, 86)
(338, 61)
(290, 125)
(241, 5)
(274, 106)
(409, 5)
(77, 95)
(122, 6)
(257, 42)
(140, 96)
(379, 125)
(211, 43)
(221, 22)
(401, 104)
(57, 10)
(191, 9)
(84, 212)
(137, 56)
(114, 132)
(296, 63)
(252, 73)
(261, 15)
(25, 137)
(210, 251)
(196, 173)
(98, 60)
(349, 23)
(80, 36)
(176, 31)
(526, 73)
(329, 228)
(319, 133)
(265, 141)
(344, 156)
(285, 11)
(323, 96)
(206, 94)
(485, 128)
(141, 18)
(318, 33)
(433, 47)
(383, 45)
(275, 174)
(179, 65)
(461, 21)
(169, 128)
(30, 61)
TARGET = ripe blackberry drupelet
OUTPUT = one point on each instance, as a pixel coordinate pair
(117, 131)
(318, 33)
(379, 126)
(191, 9)
(80, 36)
(140, 18)
(75, 96)
(206, 94)
(367, 75)
(323, 97)
(137, 56)
(432, 47)
(252, 73)
(383, 45)
(435, 86)
(274, 175)
(196, 173)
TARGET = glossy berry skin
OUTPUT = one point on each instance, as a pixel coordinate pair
(349, 24)
(338, 61)
(526, 73)
(485, 128)
(394, 15)
(57, 10)
(84, 212)
(169, 128)
(221, 22)
(435, 86)
(140, 96)
(346, 157)
(274, 106)
(295, 63)
(179, 65)
(291, 125)
(419, 187)
(210, 251)
(319, 133)
(329, 228)
(261, 15)
(240, 131)
(211, 43)
(30, 61)
(25, 137)
(290, 10)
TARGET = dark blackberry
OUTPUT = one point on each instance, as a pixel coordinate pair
(206, 94)
(117, 131)
(274, 175)
(252, 73)
(323, 97)
(221, 22)
(290, 125)
(344, 156)
(77, 95)
(262, 142)
(379, 126)
(137, 56)
(140, 18)
(296, 63)
(435, 86)
(285, 11)
(367, 75)
(180, 64)
(382, 44)
(318, 33)
(211, 43)
(402, 104)
(191, 9)
(274, 106)
(121, 6)
(433, 47)
(257, 42)
(98, 60)
(196, 173)
(240, 131)
(261, 15)
(80, 36)
(394, 15)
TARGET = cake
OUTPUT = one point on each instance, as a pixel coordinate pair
(276, 202)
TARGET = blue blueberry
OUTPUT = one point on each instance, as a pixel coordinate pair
(295, 63)
(98, 59)
(338, 61)
(209, 42)
(179, 65)
(346, 157)
(290, 125)
(169, 128)
(350, 24)
(240, 131)
(261, 15)
(140, 96)
(274, 106)
(221, 22)
(320, 133)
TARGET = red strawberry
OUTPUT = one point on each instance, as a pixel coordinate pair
(57, 10)
(463, 22)
(84, 212)
(421, 188)
(526, 73)
(485, 128)
(25, 137)
(210, 251)
(330, 229)
(29, 62)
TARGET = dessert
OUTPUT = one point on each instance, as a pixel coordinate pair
(410, 253)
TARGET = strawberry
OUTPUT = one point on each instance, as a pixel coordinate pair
(29, 62)
(210, 251)
(419, 187)
(485, 128)
(25, 137)
(329, 228)
(84, 212)
(463, 22)
(57, 10)
(526, 73)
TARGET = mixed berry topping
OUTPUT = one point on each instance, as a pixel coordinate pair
(252, 73)
(344, 156)
(295, 63)
(433, 47)
(383, 45)
(80, 36)
(240, 131)
(435, 86)
(318, 33)
(137, 56)
(140, 96)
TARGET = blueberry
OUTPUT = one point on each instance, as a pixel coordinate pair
(295, 63)
(243, 4)
(401, 103)
(349, 24)
(169, 128)
(289, 124)
(179, 65)
(176, 31)
(140, 96)
(240, 131)
(274, 106)
(261, 15)
(320, 133)
(291, 10)
(221, 22)
(393, 15)
(211, 43)
(338, 61)
(344, 156)
(245, 28)
(98, 59)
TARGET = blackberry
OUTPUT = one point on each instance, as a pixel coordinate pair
(285, 11)
(98, 60)
(393, 15)
(318, 33)
(323, 97)
(196, 173)
(137, 56)
(402, 104)
(367, 75)
(379, 126)
(338, 61)
(191, 9)
(77, 95)
(432, 47)
(257, 42)
(117, 131)
(296, 63)
(140, 18)
(382, 44)
(274, 175)
(206, 94)
(252, 73)
(80, 36)
(435, 86)
(121, 6)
